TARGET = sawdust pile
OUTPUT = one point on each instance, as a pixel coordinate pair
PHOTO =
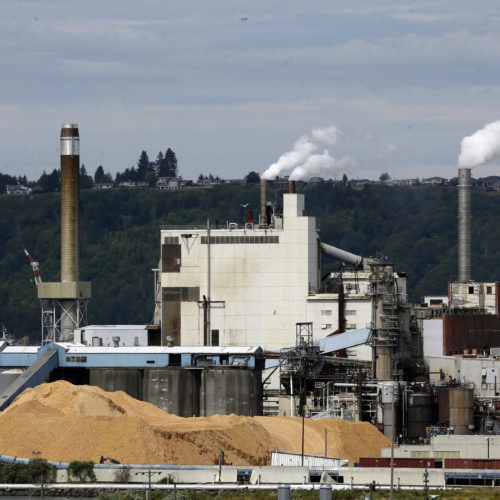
(67, 422)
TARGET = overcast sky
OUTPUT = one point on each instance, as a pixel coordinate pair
(230, 85)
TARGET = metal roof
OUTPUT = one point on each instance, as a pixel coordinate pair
(343, 340)
(80, 349)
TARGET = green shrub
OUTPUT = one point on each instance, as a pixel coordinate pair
(82, 471)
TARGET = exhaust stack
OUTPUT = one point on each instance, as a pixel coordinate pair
(464, 225)
(263, 203)
(70, 202)
(64, 303)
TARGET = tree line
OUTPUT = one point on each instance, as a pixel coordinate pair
(165, 165)
(416, 226)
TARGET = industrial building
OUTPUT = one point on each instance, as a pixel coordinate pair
(246, 323)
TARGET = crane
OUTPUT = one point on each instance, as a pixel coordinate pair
(35, 266)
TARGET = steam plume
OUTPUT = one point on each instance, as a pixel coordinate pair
(320, 165)
(480, 147)
(302, 160)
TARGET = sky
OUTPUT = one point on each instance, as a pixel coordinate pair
(231, 85)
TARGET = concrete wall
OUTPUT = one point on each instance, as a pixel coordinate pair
(450, 446)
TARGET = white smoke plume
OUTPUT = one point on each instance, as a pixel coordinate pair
(329, 136)
(303, 161)
(320, 165)
(480, 147)
(302, 149)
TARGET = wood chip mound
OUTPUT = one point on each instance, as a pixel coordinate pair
(68, 422)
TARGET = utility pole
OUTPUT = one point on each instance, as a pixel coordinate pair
(149, 473)
(426, 484)
(37, 454)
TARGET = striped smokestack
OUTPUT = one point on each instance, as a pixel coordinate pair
(464, 218)
(70, 202)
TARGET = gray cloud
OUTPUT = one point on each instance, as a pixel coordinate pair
(163, 74)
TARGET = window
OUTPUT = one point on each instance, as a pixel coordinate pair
(350, 312)
(326, 326)
(215, 337)
(76, 359)
(471, 290)
(351, 326)
(326, 312)
(489, 290)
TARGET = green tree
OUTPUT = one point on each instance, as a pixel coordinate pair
(385, 177)
(169, 167)
(159, 163)
(143, 166)
(86, 181)
(50, 182)
(252, 177)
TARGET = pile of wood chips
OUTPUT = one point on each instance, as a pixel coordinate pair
(68, 422)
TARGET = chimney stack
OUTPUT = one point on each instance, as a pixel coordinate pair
(464, 225)
(292, 187)
(70, 202)
(263, 203)
(64, 303)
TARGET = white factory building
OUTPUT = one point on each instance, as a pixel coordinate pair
(250, 285)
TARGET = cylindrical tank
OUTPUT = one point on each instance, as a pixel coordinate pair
(128, 380)
(389, 390)
(174, 390)
(226, 391)
(421, 414)
(461, 409)
(443, 404)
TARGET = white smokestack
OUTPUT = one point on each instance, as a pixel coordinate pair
(302, 159)
(480, 147)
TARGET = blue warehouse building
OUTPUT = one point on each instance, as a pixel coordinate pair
(186, 381)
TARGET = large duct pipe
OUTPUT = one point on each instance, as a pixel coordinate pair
(343, 255)
(70, 201)
(464, 219)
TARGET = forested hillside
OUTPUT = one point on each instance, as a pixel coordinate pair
(417, 226)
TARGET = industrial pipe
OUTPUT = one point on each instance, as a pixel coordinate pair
(342, 255)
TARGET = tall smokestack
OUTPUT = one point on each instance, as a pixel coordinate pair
(263, 202)
(291, 187)
(70, 202)
(65, 302)
(464, 218)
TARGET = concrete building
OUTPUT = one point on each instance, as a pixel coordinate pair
(236, 285)
(251, 284)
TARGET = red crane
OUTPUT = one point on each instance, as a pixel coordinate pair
(35, 266)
